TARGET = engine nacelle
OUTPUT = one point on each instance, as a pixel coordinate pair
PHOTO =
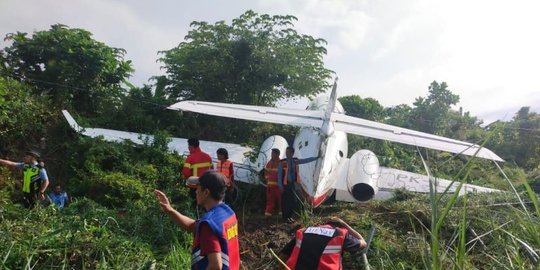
(265, 152)
(364, 170)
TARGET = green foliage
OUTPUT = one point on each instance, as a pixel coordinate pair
(519, 139)
(431, 113)
(67, 65)
(21, 116)
(47, 238)
(114, 189)
(115, 221)
(367, 108)
(258, 59)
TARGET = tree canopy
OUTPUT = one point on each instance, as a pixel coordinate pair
(258, 59)
(68, 65)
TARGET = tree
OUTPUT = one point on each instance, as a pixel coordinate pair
(399, 115)
(367, 108)
(258, 59)
(21, 117)
(527, 145)
(66, 64)
(430, 114)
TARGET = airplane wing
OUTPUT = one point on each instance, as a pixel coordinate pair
(376, 130)
(294, 117)
(243, 170)
(348, 124)
(392, 179)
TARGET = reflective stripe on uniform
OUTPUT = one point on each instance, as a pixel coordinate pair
(196, 167)
(332, 249)
(224, 259)
(202, 164)
(196, 257)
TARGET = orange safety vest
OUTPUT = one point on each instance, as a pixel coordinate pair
(286, 171)
(225, 169)
(271, 173)
(310, 253)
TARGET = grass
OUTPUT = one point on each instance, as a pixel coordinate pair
(414, 231)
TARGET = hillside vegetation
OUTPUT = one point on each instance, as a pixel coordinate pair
(114, 221)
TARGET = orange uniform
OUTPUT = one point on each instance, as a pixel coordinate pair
(273, 191)
(196, 164)
(227, 169)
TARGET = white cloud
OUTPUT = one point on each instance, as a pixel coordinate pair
(487, 51)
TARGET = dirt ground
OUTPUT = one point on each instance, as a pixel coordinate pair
(260, 234)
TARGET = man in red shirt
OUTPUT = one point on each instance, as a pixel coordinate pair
(195, 164)
(215, 242)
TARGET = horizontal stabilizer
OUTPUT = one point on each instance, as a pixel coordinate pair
(376, 130)
(293, 117)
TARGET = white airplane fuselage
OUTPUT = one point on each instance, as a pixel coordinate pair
(318, 177)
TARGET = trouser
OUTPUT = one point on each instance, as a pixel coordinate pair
(29, 199)
(273, 197)
(288, 202)
(229, 197)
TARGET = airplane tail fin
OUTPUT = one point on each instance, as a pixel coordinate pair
(331, 102)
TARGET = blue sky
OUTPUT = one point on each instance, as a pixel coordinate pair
(487, 51)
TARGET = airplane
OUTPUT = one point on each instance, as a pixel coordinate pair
(323, 132)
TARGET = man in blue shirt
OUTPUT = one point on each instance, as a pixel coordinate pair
(287, 178)
(35, 179)
(59, 197)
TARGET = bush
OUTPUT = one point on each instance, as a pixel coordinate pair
(115, 190)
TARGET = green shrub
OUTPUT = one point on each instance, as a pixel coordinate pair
(115, 190)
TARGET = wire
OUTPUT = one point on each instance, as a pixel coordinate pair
(20, 78)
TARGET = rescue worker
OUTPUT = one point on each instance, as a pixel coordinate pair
(215, 241)
(287, 179)
(321, 247)
(35, 179)
(226, 167)
(195, 164)
(273, 190)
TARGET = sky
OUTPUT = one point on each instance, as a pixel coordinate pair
(488, 52)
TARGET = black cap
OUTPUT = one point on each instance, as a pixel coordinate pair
(32, 153)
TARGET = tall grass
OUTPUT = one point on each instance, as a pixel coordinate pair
(526, 226)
